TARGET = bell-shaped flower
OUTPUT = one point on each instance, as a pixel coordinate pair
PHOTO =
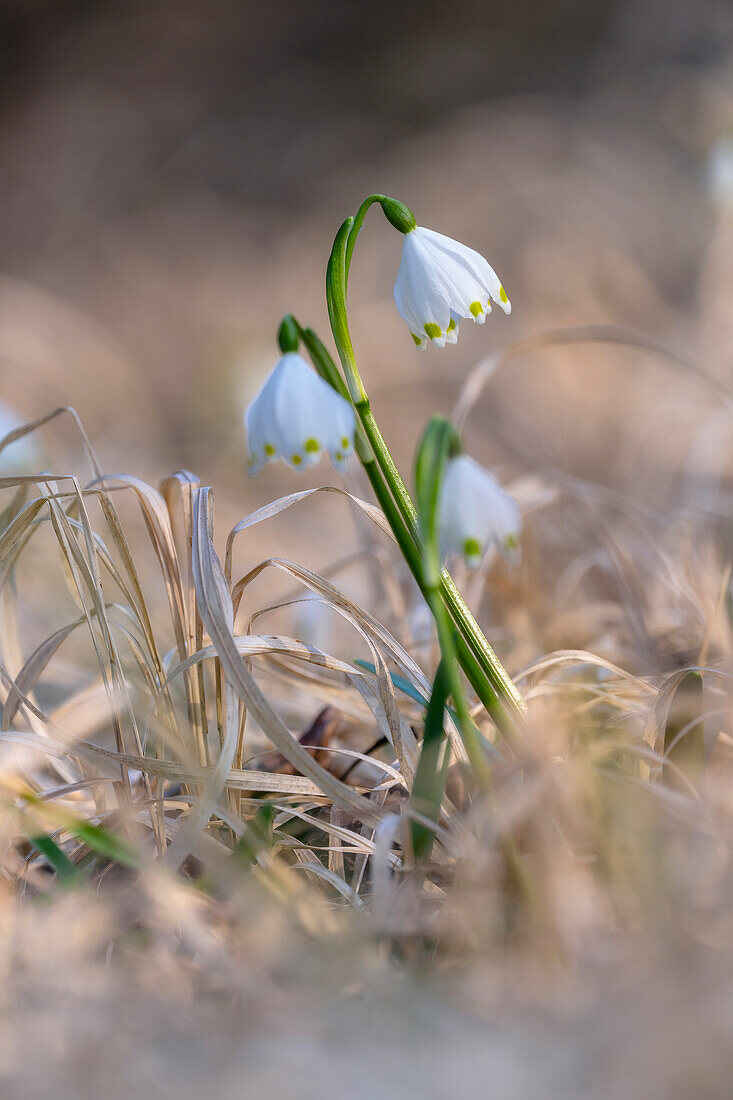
(441, 282)
(475, 512)
(296, 416)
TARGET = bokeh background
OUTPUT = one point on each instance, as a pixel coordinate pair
(173, 173)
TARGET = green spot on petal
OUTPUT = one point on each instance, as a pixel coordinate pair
(433, 331)
(472, 549)
(476, 309)
(511, 542)
(451, 326)
(345, 443)
(312, 445)
(269, 449)
(296, 460)
(502, 295)
(417, 339)
(339, 456)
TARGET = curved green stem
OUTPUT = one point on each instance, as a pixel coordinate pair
(336, 301)
(399, 215)
(446, 641)
(500, 680)
(412, 555)
(490, 679)
(354, 231)
(409, 544)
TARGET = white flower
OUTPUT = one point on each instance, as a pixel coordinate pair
(295, 416)
(439, 283)
(475, 511)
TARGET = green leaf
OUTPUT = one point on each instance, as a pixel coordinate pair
(430, 777)
(94, 836)
(62, 865)
(323, 362)
(399, 682)
(257, 836)
(104, 843)
(440, 440)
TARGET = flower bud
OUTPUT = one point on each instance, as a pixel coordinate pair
(288, 336)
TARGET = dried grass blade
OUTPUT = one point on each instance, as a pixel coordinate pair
(277, 506)
(215, 605)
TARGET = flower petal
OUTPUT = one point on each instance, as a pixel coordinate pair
(441, 281)
(296, 416)
(475, 512)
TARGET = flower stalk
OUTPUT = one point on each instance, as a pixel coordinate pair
(487, 675)
(407, 538)
(439, 440)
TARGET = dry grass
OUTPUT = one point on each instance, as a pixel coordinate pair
(205, 882)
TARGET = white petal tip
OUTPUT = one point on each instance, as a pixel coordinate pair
(340, 460)
(502, 301)
(511, 548)
(255, 464)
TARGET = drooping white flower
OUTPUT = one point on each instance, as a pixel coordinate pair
(441, 282)
(296, 416)
(475, 512)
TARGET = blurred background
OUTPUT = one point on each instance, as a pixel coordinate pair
(173, 174)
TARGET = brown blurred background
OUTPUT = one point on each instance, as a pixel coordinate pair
(173, 173)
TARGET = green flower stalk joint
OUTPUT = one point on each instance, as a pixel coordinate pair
(440, 283)
(288, 335)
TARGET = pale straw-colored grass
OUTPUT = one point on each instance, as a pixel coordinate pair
(172, 851)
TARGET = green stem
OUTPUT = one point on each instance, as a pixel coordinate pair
(501, 682)
(486, 658)
(408, 537)
(336, 300)
(355, 229)
(446, 641)
(490, 679)
(412, 554)
(399, 215)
